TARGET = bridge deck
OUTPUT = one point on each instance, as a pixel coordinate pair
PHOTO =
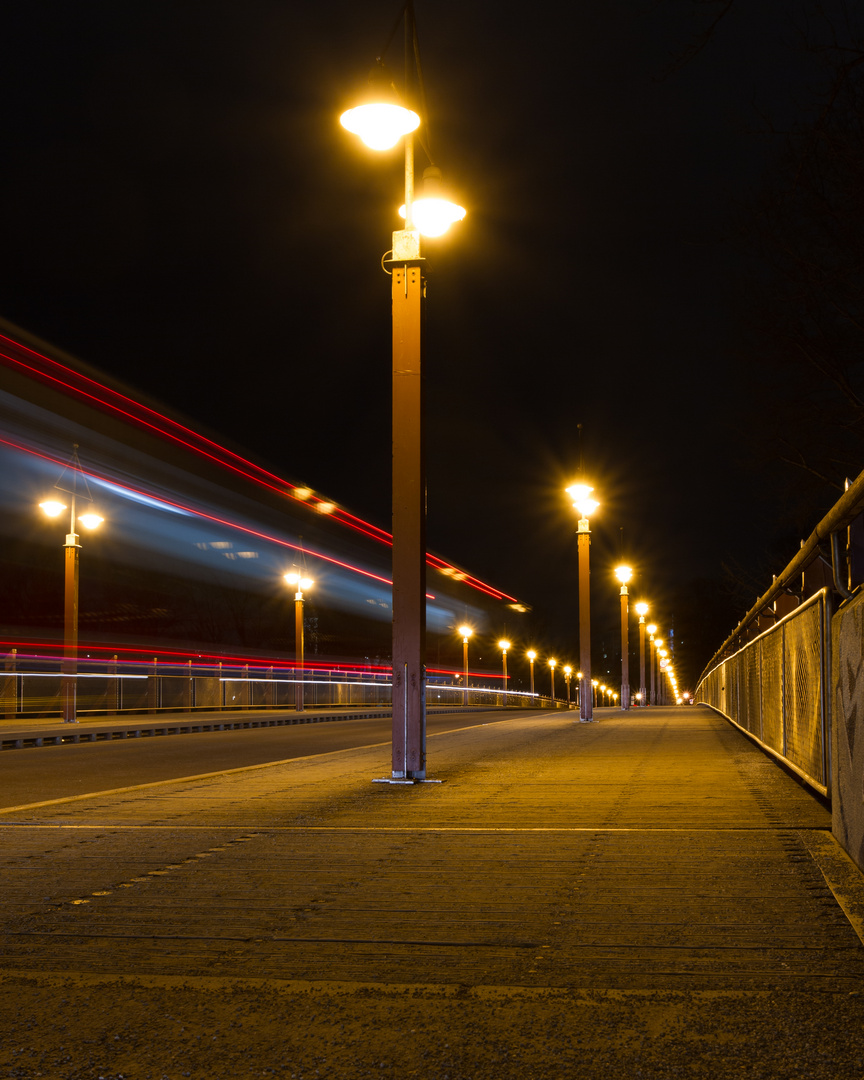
(656, 858)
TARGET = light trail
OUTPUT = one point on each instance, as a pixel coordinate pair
(137, 413)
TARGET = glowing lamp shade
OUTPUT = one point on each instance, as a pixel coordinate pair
(91, 521)
(532, 655)
(642, 609)
(652, 629)
(581, 496)
(301, 582)
(623, 573)
(567, 669)
(465, 632)
(432, 211)
(504, 644)
(380, 125)
(552, 663)
(52, 507)
(433, 217)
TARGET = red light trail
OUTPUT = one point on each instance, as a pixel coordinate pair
(76, 384)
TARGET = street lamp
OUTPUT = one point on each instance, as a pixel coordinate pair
(641, 611)
(652, 630)
(504, 645)
(466, 633)
(624, 573)
(532, 656)
(582, 501)
(301, 583)
(382, 107)
(568, 671)
(552, 664)
(54, 508)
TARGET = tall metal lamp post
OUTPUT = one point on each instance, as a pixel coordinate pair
(381, 120)
(91, 520)
(301, 583)
(465, 632)
(568, 671)
(504, 645)
(652, 630)
(624, 573)
(642, 611)
(552, 664)
(532, 656)
(582, 501)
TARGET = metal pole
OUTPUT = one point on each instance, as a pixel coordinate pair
(625, 649)
(552, 670)
(465, 671)
(299, 650)
(642, 700)
(69, 678)
(409, 497)
(531, 662)
(586, 709)
(653, 669)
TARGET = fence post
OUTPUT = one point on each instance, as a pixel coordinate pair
(10, 686)
(153, 695)
(112, 694)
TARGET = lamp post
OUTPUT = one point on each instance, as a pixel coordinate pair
(54, 508)
(641, 611)
(578, 686)
(652, 630)
(532, 656)
(504, 645)
(663, 661)
(466, 633)
(624, 573)
(301, 582)
(582, 501)
(380, 121)
(568, 671)
(552, 664)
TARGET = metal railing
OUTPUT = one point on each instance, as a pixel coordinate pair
(30, 688)
(777, 689)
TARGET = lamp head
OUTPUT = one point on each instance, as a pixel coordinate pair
(91, 520)
(581, 496)
(568, 670)
(380, 119)
(623, 573)
(532, 655)
(52, 507)
(504, 645)
(652, 629)
(552, 663)
(641, 610)
(302, 583)
(465, 632)
(433, 212)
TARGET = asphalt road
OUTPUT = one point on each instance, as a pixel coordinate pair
(54, 772)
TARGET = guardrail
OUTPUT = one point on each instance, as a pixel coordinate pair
(777, 689)
(30, 688)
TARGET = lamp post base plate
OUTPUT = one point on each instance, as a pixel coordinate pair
(405, 780)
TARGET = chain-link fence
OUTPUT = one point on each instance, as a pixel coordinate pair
(776, 688)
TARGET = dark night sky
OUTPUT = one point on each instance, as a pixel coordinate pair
(181, 209)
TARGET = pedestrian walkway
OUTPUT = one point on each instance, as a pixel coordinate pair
(647, 893)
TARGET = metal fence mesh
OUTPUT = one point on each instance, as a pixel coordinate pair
(774, 688)
(803, 697)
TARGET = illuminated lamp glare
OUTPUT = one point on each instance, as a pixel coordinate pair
(380, 125)
(91, 520)
(52, 507)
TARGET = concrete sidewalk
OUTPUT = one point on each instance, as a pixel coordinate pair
(650, 895)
